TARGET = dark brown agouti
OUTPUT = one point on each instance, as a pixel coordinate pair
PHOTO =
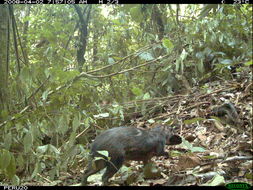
(128, 143)
(228, 113)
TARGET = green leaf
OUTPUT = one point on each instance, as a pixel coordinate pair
(54, 149)
(111, 61)
(248, 63)
(95, 178)
(15, 180)
(200, 55)
(194, 120)
(178, 64)
(68, 60)
(175, 153)
(146, 56)
(221, 37)
(25, 75)
(63, 124)
(226, 61)
(183, 55)
(249, 176)
(197, 149)
(11, 168)
(45, 94)
(76, 122)
(137, 91)
(186, 144)
(200, 66)
(20, 161)
(5, 159)
(42, 149)
(28, 142)
(151, 121)
(136, 13)
(72, 139)
(209, 157)
(127, 7)
(146, 96)
(104, 153)
(72, 151)
(124, 169)
(36, 170)
(52, 173)
(217, 180)
(116, 21)
(168, 44)
(47, 72)
(121, 114)
(8, 141)
(4, 113)
(27, 18)
(206, 9)
(232, 43)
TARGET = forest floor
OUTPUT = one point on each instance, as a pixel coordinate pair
(213, 152)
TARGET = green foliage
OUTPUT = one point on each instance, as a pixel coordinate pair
(146, 56)
(168, 44)
(217, 180)
(207, 8)
(248, 63)
(7, 163)
(194, 120)
(190, 147)
(137, 91)
(104, 153)
(136, 13)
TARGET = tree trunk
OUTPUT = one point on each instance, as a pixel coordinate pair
(4, 20)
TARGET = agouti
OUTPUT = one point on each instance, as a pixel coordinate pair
(127, 143)
(227, 112)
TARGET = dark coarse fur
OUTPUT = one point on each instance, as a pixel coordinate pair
(229, 112)
(128, 143)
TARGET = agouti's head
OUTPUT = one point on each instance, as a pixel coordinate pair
(171, 137)
(174, 140)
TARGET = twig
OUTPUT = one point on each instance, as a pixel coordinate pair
(83, 74)
(44, 178)
(37, 90)
(15, 117)
(82, 132)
